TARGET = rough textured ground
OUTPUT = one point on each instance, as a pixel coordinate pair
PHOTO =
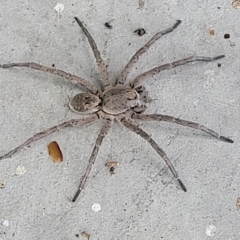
(141, 200)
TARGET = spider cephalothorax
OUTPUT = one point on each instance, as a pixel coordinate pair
(124, 102)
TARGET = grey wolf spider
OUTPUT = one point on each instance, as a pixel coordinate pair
(123, 102)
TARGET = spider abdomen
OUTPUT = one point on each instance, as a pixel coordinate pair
(84, 103)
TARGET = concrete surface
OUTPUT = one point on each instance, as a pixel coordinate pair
(141, 200)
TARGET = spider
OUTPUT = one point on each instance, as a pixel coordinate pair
(122, 102)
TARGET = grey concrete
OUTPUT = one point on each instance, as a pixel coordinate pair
(141, 200)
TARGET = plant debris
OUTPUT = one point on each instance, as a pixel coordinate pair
(108, 24)
(236, 4)
(84, 234)
(238, 203)
(112, 165)
(1, 184)
(55, 152)
(140, 31)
